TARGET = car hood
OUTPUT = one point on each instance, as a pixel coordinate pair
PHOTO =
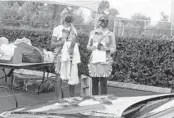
(103, 106)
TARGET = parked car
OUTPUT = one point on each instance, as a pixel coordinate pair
(108, 106)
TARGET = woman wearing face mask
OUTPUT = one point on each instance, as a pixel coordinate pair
(102, 44)
(64, 33)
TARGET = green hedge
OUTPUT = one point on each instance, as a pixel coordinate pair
(143, 61)
(40, 39)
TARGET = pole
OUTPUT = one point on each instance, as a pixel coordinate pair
(145, 25)
(171, 29)
(114, 30)
(122, 27)
(95, 21)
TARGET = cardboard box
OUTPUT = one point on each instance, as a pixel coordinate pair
(5, 59)
(16, 58)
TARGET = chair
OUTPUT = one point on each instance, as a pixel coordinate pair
(30, 77)
(27, 79)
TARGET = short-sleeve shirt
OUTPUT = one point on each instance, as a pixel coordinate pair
(57, 32)
(108, 39)
(96, 37)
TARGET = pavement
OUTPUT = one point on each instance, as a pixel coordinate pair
(26, 98)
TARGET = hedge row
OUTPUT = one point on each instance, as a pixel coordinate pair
(137, 60)
(145, 61)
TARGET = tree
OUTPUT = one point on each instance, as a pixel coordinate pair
(164, 25)
(103, 6)
(78, 17)
(140, 20)
(33, 14)
(113, 12)
(164, 17)
(9, 10)
(112, 15)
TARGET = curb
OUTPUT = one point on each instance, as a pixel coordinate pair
(139, 87)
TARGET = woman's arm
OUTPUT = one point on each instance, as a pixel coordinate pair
(112, 43)
(90, 43)
(55, 43)
(73, 42)
(112, 46)
(73, 36)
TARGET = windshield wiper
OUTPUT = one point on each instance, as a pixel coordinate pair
(158, 113)
(147, 108)
(137, 106)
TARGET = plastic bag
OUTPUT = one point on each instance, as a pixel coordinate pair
(35, 56)
(24, 40)
(48, 56)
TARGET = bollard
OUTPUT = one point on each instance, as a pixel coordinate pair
(86, 86)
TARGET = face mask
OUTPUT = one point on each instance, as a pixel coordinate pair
(68, 19)
(104, 23)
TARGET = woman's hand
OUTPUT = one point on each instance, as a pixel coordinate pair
(93, 48)
(62, 41)
(103, 48)
(55, 43)
(70, 51)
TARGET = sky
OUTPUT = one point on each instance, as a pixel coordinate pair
(150, 8)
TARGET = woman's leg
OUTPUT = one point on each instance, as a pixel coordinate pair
(58, 81)
(58, 84)
(103, 85)
(71, 90)
(95, 82)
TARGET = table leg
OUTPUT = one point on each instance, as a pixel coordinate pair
(5, 74)
(12, 81)
(12, 93)
(43, 79)
(11, 72)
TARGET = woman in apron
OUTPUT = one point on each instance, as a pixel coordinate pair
(64, 33)
(102, 44)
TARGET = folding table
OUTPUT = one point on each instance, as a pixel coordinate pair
(45, 66)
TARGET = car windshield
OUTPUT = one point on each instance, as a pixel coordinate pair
(149, 108)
